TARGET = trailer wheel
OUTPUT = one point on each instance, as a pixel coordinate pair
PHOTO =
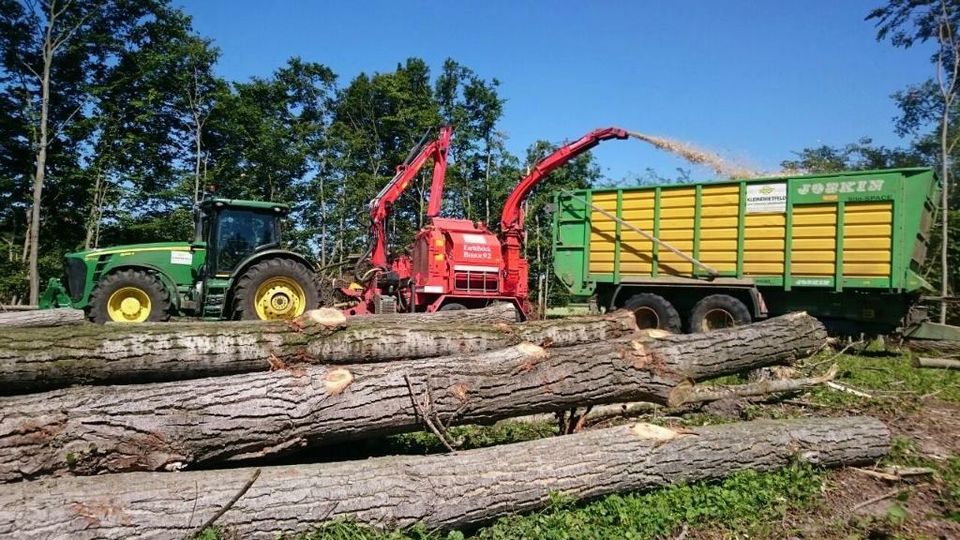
(275, 289)
(718, 311)
(654, 311)
(129, 296)
(452, 306)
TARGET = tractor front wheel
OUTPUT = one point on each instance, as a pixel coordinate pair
(129, 296)
(275, 289)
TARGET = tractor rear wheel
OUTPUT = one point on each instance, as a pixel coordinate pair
(718, 311)
(654, 311)
(275, 289)
(129, 296)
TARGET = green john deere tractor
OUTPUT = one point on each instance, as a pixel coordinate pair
(233, 269)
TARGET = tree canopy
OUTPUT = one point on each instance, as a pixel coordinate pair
(140, 122)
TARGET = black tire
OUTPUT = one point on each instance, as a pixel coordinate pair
(654, 311)
(718, 311)
(452, 306)
(146, 282)
(244, 292)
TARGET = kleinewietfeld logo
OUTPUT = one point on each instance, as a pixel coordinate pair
(848, 186)
(766, 198)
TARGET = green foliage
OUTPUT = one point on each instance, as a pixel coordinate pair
(172, 226)
(950, 473)
(147, 122)
(210, 533)
(933, 265)
(862, 155)
(909, 22)
(342, 529)
(581, 172)
(470, 437)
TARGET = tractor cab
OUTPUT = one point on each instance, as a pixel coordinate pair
(232, 230)
(240, 239)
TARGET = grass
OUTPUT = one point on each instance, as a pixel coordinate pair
(470, 437)
(891, 379)
(904, 451)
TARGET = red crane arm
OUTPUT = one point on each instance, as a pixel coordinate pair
(380, 205)
(439, 171)
(512, 218)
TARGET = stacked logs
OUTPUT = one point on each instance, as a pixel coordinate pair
(142, 402)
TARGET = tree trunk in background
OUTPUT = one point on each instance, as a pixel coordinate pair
(33, 238)
(100, 188)
(323, 225)
(948, 69)
(12, 321)
(486, 188)
(944, 213)
(439, 491)
(89, 430)
(26, 237)
(32, 360)
(195, 99)
(54, 37)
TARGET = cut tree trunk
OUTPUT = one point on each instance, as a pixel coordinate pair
(38, 359)
(440, 491)
(41, 318)
(941, 363)
(933, 346)
(167, 426)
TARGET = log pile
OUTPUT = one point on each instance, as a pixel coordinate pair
(41, 318)
(440, 491)
(118, 431)
(33, 359)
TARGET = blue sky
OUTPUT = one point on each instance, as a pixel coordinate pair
(753, 80)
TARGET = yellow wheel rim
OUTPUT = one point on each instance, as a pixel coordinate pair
(279, 298)
(128, 304)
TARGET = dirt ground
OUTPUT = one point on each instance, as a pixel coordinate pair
(857, 505)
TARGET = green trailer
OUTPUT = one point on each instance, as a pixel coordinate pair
(846, 247)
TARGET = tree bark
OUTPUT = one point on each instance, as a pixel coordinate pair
(32, 360)
(40, 318)
(168, 426)
(686, 394)
(933, 346)
(941, 363)
(440, 491)
(33, 238)
(948, 69)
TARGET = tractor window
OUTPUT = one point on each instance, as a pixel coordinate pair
(239, 233)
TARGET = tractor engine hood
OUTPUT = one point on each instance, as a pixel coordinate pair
(131, 249)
